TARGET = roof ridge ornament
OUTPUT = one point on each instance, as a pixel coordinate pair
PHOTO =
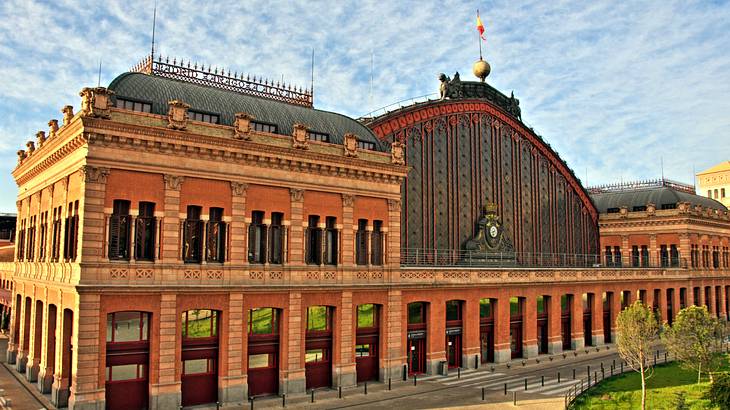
(221, 79)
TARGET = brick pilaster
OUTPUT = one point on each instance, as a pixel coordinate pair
(348, 236)
(85, 358)
(239, 246)
(296, 232)
(171, 249)
(345, 369)
(395, 356)
(91, 213)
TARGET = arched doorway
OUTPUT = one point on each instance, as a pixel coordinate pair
(318, 347)
(263, 351)
(417, 331)
(367, 342)
(127, 360)
(199, 356)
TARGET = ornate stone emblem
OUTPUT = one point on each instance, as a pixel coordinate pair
(68, 114)
(394, 205)
(52, 128)
(94, 174)
(300, 139)
(348, 200)
(242, 126)
(450, 88)
(173, 182)
(350, 143)
(95, 102)
(297, 195)
(397, 153)
(177, 115)
(239, 188)
(490, 234)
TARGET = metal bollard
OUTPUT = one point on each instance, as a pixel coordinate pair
(573, 374)
(505, 389)
(558, 377)
(312, 395)
(483, 392)
(389, 385)
(665, 357)
(514, 398)
(366, 388)
(589, 380)
(603, 374)
(622, 367)
(339, 392)
(588, 369)
(217, 405)
(415, 379)
(613, 363)
(525, 384)
(283, 400)
(458, 372)
(542, 381)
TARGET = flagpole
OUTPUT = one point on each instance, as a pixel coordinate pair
(479, 39)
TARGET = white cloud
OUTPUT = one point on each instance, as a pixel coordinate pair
(613, 86)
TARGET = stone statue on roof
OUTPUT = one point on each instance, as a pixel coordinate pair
(450, 88)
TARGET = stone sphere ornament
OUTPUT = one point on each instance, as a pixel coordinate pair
(481, 69)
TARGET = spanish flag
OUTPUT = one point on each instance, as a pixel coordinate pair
(480, 27)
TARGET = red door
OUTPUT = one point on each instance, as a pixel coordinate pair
(416, 356)
(127, 378)
(200, 374)
(565, 330)
(453, 348)
(263, 365)
(318, 362)
(486, 343)
(515, 332)
(366, 357)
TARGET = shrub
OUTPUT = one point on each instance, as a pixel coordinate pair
(719, 393)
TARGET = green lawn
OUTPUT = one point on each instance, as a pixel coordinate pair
(624, 392)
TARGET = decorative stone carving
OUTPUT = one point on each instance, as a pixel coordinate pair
(96, 102)
(94, 174)
(52, 128)
(490, 235)
(31, 147)
(350, 143)
(348, 200)
(297, 195)
(514, 106)
(173, 182)
(177, 115)
(397, 153)
(450, 88)
(300, 139)
(650, 208)
(40, 136)
(242, 126)
(21, 156)
(623, 211)
(68, 114)
(394, 205)
(239, 188)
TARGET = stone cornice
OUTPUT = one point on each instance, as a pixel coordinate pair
(30, 169)
(186, 144)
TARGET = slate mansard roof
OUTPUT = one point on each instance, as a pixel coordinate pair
(158, 91)
(658, 196)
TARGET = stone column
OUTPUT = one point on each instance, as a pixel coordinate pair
(91, 213)
(296, 232)
(24, 334)
(49, 349)
(395, 354)
(86, 393)
(576, 322)
(234, 388)
(663, 306)
(166, 393)
(239, 246)
(294, 375)
(15, 320)
(348, 236)
(345, 370)
(722, 314)
(529, 324)
(555, 325)
(597, 318)
(171, 249)
(502, 351)
(393, 243)
(36, 336)
(60, 390)
(685, 250)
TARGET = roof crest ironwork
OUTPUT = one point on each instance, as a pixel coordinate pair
(642, 184)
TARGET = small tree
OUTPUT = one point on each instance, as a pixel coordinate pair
(692, 339)
(637, 329)
(719, 393)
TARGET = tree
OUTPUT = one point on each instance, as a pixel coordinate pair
(693, 339)
(637, 329)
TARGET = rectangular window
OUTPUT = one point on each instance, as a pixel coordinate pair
(199, 323)
(361, 242)
(31, 239)
(315, 355)
(485, 308)
(193, 235)
(263, 127)
(56, 238)
(263, 321)
(257, 238)
(276, 238)
(416, 313)
(565, 304)
(198, 366)
(673, 256)
(126, 372)
(216, 237)
(318, 318)
(515, 306)
(366, 145)
(330, 245)
(664, 256)
(644, 256)
(42, 235)
(376, 244)
(609, 256)
(453, 310)
(119, 230)
(635, 256)
(617, 260)
(362, 350)
(318, 136)
(366, 316)
(541, 305)
(145, 228)
(127, 327)
(722, 192)
(71, 232)
(133, 105)
(260, 361)
(314, 241)
(204, 117)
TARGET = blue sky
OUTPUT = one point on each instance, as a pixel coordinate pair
(612, 86)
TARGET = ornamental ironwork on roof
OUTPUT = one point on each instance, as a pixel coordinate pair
(641, 185)
(213, 77)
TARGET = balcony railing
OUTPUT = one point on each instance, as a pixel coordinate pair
(418, 257)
